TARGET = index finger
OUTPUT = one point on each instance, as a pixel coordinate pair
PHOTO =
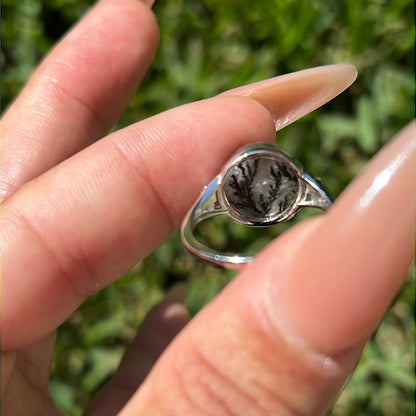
(84, 223)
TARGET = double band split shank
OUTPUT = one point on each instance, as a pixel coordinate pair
(259, 186)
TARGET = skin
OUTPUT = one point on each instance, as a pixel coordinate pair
(296, 319)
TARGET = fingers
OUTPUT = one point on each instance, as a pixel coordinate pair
(368, 238)
(81, 225)
(78, 92)
(77, 227)
(283, 337)
(160, 326)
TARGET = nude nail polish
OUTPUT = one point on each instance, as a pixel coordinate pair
(341, 279)
(291, 96)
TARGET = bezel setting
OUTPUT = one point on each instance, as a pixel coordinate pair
(249, 196)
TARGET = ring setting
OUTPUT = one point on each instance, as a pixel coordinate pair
(259, 186)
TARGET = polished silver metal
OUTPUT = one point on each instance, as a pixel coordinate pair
(259, 186)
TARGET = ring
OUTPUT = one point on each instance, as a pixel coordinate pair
(259, 186)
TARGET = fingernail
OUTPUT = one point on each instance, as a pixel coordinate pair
(343, 276)
(291, 96)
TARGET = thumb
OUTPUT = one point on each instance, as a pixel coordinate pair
(284, 336)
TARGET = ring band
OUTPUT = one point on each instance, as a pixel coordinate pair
(259, 186)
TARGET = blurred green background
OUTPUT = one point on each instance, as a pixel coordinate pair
(208, 46)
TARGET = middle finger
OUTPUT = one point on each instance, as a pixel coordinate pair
(78, 92)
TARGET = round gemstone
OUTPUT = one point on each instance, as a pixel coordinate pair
(261, 188)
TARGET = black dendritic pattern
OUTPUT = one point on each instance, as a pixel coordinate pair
(243, 190)
(261, 188)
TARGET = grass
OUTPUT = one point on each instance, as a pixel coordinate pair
(208, 46)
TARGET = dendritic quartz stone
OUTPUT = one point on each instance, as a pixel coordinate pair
(261, 188)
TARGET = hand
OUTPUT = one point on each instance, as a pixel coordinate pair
(283, 336)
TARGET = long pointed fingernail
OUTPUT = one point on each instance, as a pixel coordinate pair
(346, 272)
(291, 96)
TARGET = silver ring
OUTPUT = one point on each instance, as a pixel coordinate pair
(259, 186)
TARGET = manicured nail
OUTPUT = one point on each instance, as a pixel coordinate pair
(340, 280)
(289, 97)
